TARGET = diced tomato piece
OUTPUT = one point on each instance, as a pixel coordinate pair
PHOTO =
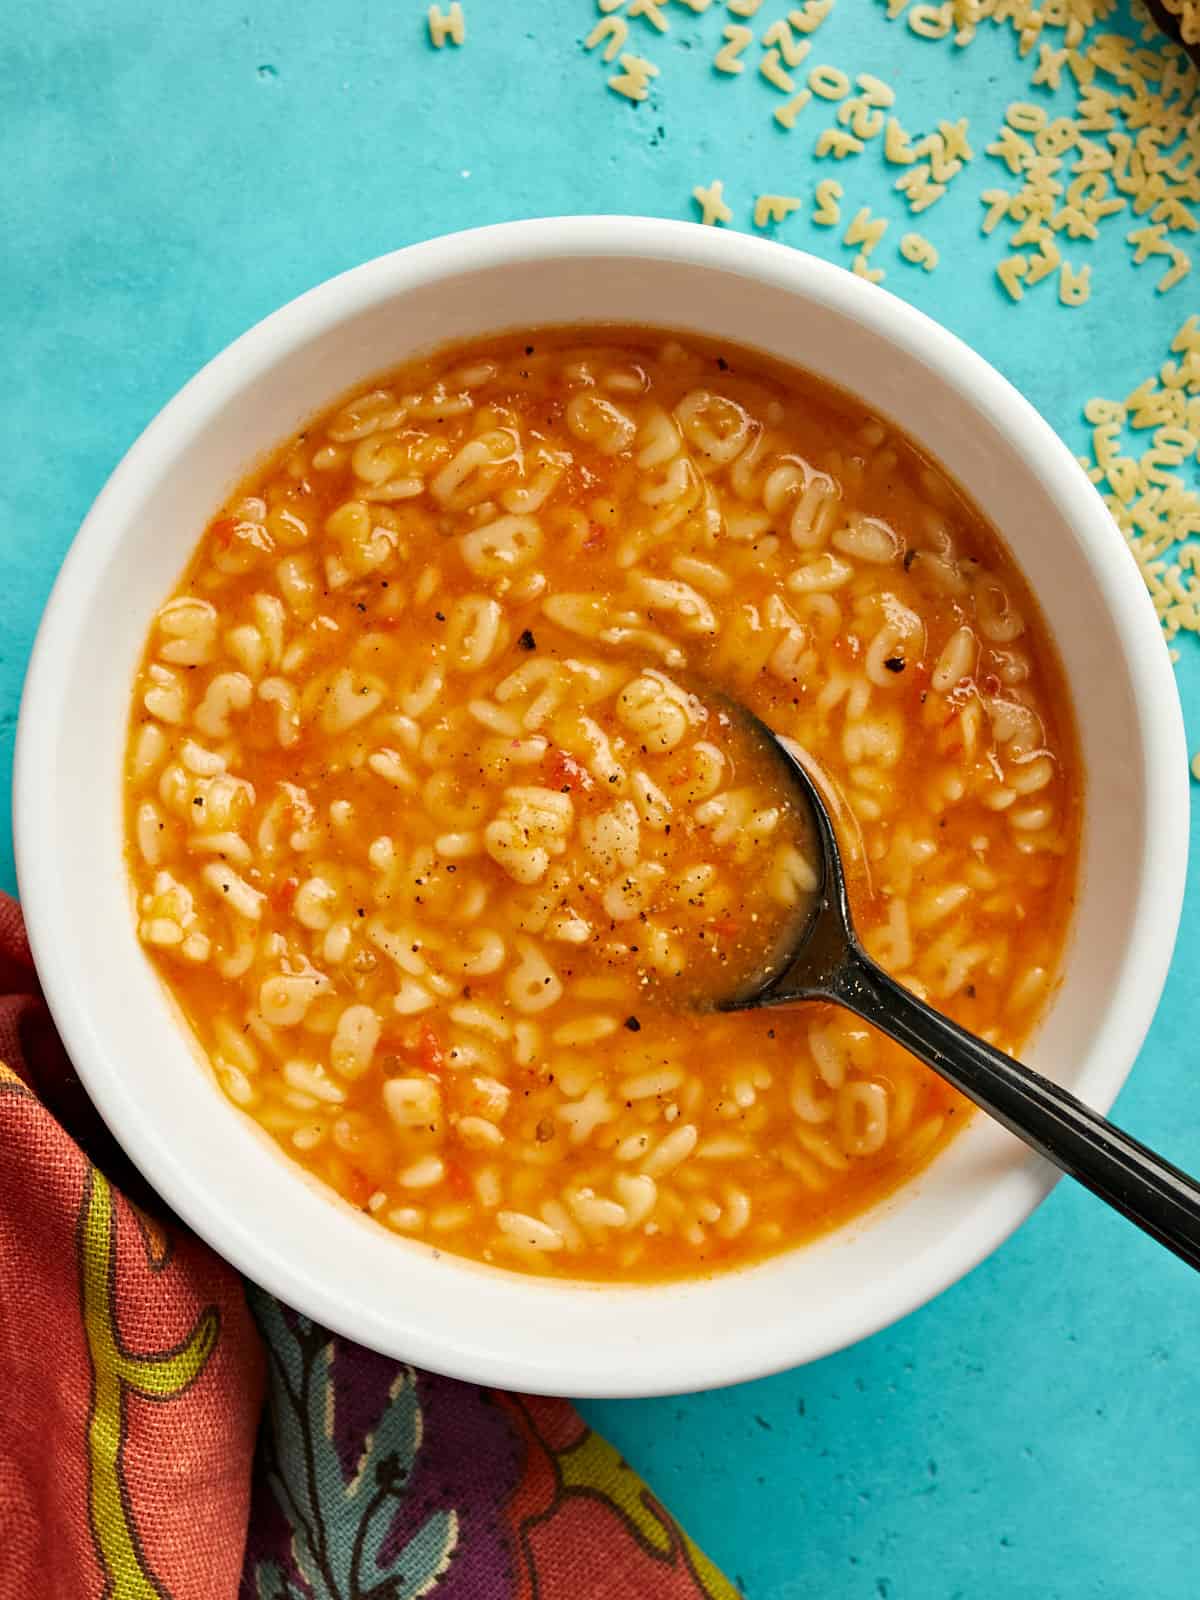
(457, 1180)
(359, 1187)
(597, 534)
(422, 1048)
(223, 530)
(564, 772)
(726, 927)
(430, 1055)
(284, 893)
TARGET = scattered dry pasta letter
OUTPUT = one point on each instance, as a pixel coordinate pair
(897, 146)
(770, 208)
(712, 203)
(917, 249)
(614, 29)
(833, 142)
(1074, 287)
(726, 58)
(1181, 265)
(786, 115)
(451, 25)
(1044, 263)
(1149, 241)
(865, 230)
(831, 83)
(1010, 272)
(918, 188)
(634, 80)
(1049, 68)
(1025, 117)
(1014, 151)
(828, 213)
(771, 68)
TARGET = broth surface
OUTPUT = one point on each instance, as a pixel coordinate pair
(436, 829)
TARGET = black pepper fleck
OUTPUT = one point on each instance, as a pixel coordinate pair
(633, 1025)
(527, 641)
(894, 663)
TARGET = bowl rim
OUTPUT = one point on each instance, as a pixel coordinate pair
(1162, 754)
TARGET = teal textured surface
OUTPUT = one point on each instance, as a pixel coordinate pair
(168, 177)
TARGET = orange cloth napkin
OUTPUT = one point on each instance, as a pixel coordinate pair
(132, 1461)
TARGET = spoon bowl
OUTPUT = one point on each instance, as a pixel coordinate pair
(812, 948)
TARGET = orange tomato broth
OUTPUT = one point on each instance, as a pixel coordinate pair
(799, 1180)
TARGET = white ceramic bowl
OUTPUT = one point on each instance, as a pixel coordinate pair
(218, 1171)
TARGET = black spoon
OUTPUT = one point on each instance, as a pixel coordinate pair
(823, 960)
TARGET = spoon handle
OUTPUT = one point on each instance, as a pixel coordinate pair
(1160, 1198)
